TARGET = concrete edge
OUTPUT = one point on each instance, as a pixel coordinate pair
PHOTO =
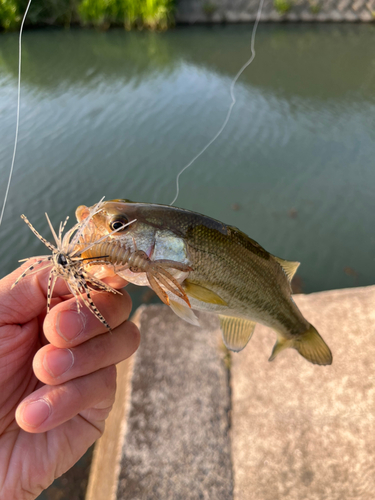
(106, 462)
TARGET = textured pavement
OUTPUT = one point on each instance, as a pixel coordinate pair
(280, 430)
(307, 432)
(177, 443)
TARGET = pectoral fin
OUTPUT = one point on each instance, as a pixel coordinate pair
(236, 332)
(310, 345)
(202, 293)
(184, 312)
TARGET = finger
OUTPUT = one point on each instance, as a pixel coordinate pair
(51, 406)
(65, 327)
(27, 299)
(55, 366)
(115, 281)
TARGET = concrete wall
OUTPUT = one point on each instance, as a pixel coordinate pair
(217, 11)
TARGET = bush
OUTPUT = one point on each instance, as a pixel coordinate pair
(9, 15)
(153, 14)
(283, 6)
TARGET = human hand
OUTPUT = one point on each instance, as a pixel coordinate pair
(57, 378)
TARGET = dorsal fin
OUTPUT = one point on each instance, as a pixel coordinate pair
(236, 331)
(288, 266)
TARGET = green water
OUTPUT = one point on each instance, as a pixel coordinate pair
(118, 114)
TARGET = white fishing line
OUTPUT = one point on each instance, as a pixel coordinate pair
(234, 81)
(18, 111)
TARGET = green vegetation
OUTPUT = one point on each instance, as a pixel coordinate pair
(209, 8)
(9, 17)
(315, 6)
(283, 6)
(152, 14)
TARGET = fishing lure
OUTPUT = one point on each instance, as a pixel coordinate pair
(66, 262)
(81, 248)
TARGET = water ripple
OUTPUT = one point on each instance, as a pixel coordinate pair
(119, 114)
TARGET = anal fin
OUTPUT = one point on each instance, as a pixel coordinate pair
(236, 331)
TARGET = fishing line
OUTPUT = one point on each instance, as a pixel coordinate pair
(18, 110)
(234, 81)
(233, 102)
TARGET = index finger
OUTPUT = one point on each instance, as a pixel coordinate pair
(65, 327)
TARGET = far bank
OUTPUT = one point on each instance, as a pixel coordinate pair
(162, 14)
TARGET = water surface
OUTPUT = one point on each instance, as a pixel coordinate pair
(118, 114)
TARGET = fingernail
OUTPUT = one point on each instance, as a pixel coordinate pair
(37, 412)
(70, 324)
(58, 362)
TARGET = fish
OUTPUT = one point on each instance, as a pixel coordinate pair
(194, 262)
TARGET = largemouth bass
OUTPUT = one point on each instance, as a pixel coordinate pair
(195, 262)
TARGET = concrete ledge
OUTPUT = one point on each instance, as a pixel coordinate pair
(175, 443)
(105, 466)
(291, 429)
(301, 431)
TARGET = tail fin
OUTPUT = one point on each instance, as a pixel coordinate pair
(310, 345)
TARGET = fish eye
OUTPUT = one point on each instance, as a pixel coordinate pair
(117, 222)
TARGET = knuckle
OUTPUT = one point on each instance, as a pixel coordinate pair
(125, 304)
(109, 379)
(134, 333)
